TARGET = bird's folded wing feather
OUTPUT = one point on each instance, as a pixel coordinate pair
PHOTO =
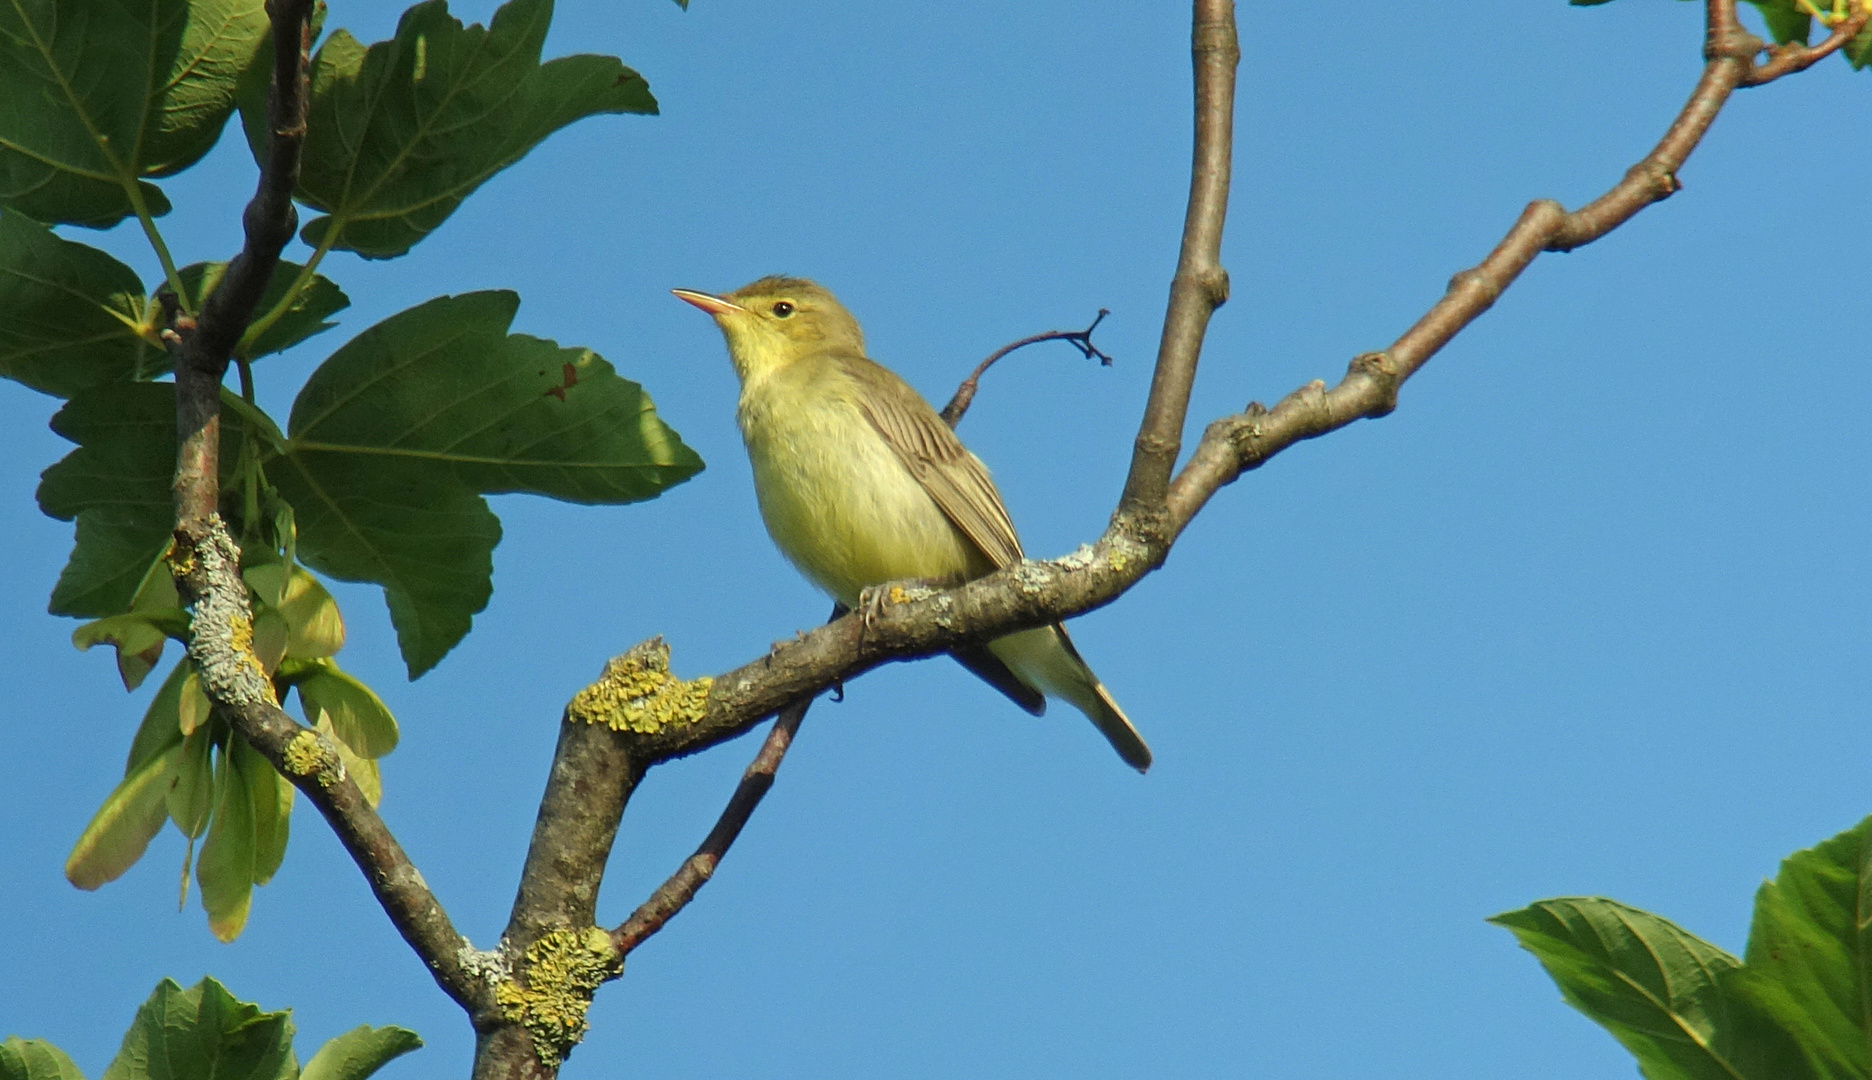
(952, 476)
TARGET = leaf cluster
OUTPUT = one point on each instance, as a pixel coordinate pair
(1792, 21)
(1797, 1006)
(381, 469)
(205, 1031)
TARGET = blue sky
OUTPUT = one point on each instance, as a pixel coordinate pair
(1584, 616)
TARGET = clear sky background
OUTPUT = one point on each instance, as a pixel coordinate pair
(1586, 615)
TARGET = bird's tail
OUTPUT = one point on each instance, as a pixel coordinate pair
(1046, 659)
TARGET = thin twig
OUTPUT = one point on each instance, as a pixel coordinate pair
(673, 895)
(953, 412)
(1795, 56)
(1238, 443)
(206, 560)
(1036, 593)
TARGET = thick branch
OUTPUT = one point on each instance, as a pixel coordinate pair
(1200, 285)
(207, 562)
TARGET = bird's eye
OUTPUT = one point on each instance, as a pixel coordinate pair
(782, 309)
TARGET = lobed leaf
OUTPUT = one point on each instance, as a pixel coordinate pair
(399, 133)
(1664, 993)
(71, 317)
(35, 1059)
(96, 97)
(395, 438)
(359, 1052)
(204, 1032)
(308, 315)
(116, 485)
(1809, 957)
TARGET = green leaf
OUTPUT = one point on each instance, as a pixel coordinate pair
(121, 829)
(36, 1059)
(428, 541)
(359, 718)
(138, 638)
(192, 705)
(394, 439)
(359, 1052)
(1786, 20)
(1809, 959)
(362, 770)
(225, 870)
(191, 784)
(1859, 50)
(107, 93)
(314, 626)
(117, 486)
(71, 316)
(1661, 991)
(204, 1032)
(272, 808)
(161, 727)
(400, 133)
(307, 316)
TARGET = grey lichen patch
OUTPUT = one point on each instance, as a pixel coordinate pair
(1082, 559)
(1032, 578)
(484, 965)
(222, 640)
(637, 693)
(562, 971)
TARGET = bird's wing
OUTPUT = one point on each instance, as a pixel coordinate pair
(952, 476)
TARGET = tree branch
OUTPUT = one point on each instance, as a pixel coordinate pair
(953, 412)
(1235, 444)
(1796, 56)
(674, 895)
(206, 561)
(1200, 285)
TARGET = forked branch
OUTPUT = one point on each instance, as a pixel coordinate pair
(206, 560)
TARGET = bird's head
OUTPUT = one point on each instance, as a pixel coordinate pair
(775, 321)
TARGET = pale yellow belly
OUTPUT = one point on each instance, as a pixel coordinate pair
(843, 508)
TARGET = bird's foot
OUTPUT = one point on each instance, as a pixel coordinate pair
(873, 599)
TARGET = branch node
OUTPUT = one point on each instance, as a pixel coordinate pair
(1214, 282)
(637, 694)
(1383, 373)
(562, 970)
(1478, 277)
(1732, 43)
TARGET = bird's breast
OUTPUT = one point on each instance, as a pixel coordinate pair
(837, 500)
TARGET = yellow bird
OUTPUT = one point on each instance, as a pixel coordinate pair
(861, 483)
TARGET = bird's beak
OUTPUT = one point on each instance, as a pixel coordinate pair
(708, 302)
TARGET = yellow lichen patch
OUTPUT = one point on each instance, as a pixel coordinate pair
(562, 971)
(240, 638)
(1118, 561)
(303, 755)
(637, 693)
